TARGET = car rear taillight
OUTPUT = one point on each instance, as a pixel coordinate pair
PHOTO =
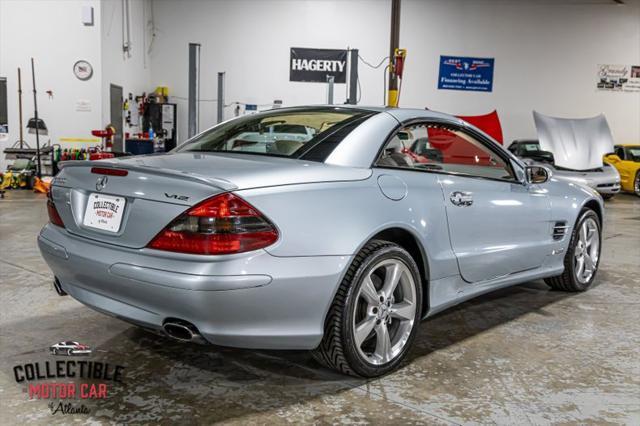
(54, 216)
(223, 224)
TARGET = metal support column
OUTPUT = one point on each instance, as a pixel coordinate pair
(194, 88)
(392, 92)
(220, 97)
(330, 81)
(35, 113)
(353, 77)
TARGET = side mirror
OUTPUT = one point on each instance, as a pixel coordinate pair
(537, 174)
(613, 158)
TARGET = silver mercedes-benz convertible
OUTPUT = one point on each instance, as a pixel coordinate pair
(334, 229)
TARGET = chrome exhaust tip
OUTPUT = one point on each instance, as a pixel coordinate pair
(58, 287)
(183, 331)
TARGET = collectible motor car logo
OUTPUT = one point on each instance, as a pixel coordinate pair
(68, 384)
(466, 73)
(101, 183)
(70, 348)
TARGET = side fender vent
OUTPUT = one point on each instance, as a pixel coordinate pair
(559, 230)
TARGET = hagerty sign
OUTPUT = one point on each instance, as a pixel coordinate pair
(314, 65)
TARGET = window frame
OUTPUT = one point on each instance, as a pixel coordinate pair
(483, 140)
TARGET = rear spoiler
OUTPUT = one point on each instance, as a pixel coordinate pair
(177, 174)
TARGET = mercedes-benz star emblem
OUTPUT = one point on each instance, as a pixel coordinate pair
(101, 183)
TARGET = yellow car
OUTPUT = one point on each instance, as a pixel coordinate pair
(626, 159)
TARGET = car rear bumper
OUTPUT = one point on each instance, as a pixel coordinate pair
(251, 300)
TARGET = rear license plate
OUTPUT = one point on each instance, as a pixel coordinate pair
(104, 212)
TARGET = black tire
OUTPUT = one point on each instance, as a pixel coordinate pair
(69, 352)
(636, 184)
(54, 351)
(338, 350)
(607, 196)
(567, 281)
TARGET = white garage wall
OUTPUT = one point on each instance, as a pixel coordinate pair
(546, 56)
(250, 40)
(546, 53)
(132, 72)
(53, 34)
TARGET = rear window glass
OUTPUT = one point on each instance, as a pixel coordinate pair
(294, 133)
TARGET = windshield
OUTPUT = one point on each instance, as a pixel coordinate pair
(294, 133)
(634, 153)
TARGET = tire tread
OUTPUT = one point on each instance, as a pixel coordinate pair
(330, 352)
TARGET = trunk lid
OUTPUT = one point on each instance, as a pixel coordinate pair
(245, 171)
(158, 188)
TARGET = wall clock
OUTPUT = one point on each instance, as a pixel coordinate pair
(83, 70)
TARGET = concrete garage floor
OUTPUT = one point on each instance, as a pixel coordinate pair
(524, 355)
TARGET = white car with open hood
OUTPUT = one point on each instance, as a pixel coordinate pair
(574, 150)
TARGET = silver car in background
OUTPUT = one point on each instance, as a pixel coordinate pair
(340, 244)
(604, 179)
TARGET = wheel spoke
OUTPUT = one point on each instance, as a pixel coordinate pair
(580, 266)
(592, 233)
(364, 329)
(594, 245)
(391, 279)
(404, 311)
(383, 343)
(583, 233)
(594, 252)
(588, 262)
(369, 291)
(389, 292)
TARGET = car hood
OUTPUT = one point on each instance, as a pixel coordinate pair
(242, 171)
(577, 144)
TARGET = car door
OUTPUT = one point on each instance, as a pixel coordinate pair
(497, 224)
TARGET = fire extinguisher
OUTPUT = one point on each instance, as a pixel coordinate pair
(396, 68)
(109, 140)
(398, 61)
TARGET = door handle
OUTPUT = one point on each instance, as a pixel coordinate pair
(461, 199)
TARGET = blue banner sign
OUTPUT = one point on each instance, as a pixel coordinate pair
(463, 73)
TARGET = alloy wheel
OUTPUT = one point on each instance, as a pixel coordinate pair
(384, 312)
(636, 184)
(587, 251)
